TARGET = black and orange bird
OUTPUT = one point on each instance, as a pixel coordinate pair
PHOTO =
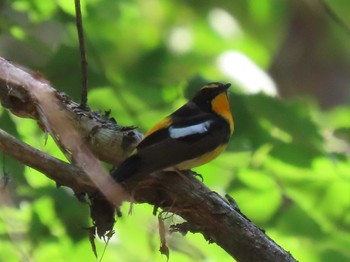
(193, 135)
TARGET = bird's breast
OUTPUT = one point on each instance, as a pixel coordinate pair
(201, 160)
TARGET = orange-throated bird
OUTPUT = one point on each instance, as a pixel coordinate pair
(193, 135)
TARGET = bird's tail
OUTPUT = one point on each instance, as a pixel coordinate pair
(127, 168)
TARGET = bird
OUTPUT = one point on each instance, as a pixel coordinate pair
(193, 135)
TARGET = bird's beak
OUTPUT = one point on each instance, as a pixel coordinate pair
(226, 86)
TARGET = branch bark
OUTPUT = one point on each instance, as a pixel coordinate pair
(205, 211)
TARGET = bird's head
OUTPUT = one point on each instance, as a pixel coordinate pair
(210, 95)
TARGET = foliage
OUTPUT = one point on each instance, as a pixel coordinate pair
(287, 165)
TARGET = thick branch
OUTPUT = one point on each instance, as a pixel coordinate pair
(205, 211)
(107, 140)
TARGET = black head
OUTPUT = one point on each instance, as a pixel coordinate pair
(207, 93)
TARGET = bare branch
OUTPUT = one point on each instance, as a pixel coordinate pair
(61, 172)
(208, 213)
(83, 60)
(107, 140)
(46, 106)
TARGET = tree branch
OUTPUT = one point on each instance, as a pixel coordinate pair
(208, 213)
(55, 169)
(205, 211)
(107, 140)
(83, 60)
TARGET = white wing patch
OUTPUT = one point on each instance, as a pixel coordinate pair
(177, 132)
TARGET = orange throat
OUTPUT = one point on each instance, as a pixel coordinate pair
(221, 106)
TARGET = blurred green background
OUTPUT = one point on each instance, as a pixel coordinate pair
(287, 165)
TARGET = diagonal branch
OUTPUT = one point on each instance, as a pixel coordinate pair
(205, 211)
(55, 169)
(208, 213)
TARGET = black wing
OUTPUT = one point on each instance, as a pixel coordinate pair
(159, 150)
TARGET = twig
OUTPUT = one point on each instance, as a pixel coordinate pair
(83, 60)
